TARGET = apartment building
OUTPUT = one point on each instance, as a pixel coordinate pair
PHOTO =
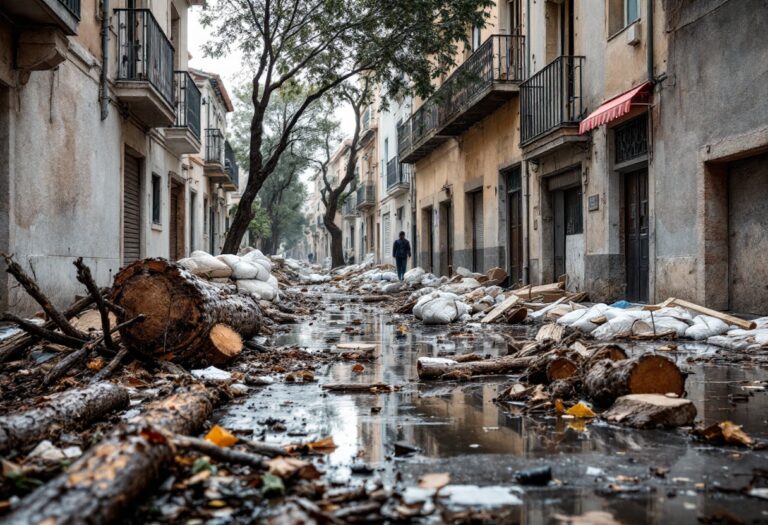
(367, 198)
(99, 133)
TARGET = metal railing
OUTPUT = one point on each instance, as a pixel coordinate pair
(397, 173)
(188, 99)
(230, 164)
(144, 52)
(73, 6)
(552, 98)
(214, 146)
(349, 209)
(366, 194)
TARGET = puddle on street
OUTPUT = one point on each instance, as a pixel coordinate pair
(458, 429)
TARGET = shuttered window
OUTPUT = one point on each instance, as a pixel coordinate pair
(131, 209)
(388, 240)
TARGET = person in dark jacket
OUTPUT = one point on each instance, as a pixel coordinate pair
(401, 251)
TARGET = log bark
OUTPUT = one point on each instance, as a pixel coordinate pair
(68, 410)
(651, 411)
(435, 368)
(181, 311)
(222, 455)
(647, 374)
(103, 484)
(552, 366)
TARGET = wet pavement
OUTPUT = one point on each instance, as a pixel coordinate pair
(459, 429)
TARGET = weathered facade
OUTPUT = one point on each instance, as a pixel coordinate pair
(97, 122)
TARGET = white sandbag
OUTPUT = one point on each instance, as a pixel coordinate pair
(259, 289)
(730, 343)
(264, 263)
(247, 270)
(420, 293)
(414, 275)
(464, 272)
(253, 255)
(655, 324)
(272, 281)
(443, 311)
(675, 311)
(209, 266)
(704, 327)
(389, 276)
(229, 259)
(466, 285)
(494, 291)
(392, 287)
(188, 264)
(417, 309)
(617, 327)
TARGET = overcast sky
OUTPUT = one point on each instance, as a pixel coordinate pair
(230, 67)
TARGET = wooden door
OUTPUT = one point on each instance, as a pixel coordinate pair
(131, 209)
(559, 234)
(636, 234)
(515, 218)
(477, 231)
(176, 232)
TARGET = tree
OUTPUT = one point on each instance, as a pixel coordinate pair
(318, 45)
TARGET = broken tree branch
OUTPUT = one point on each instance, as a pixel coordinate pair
(41, 332)
(220, 454)
(85, 277)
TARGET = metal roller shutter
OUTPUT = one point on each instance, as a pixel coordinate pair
(477, 231)
(388, 240)
(131, 210)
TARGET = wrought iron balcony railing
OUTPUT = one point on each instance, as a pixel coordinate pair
(73, 6)
(230, 164)
(366, 195)
(398, 174)
(214, 146)
(144, 54)
(349, 209)
(188, 99)
(552, 98)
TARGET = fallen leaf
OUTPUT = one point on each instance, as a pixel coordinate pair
(734, 435)
(323, 446)
(272, 486)
(220, 437)
(284, 468)
(559, 407)
(539, 394)
(96, 364)
(153, 436)
(580, 409)
(358, 368)
(436, 480)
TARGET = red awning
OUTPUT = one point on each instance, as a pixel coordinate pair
(615, 108)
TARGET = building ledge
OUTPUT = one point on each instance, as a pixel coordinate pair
(552, 141)
(145, 102)
(182, 141)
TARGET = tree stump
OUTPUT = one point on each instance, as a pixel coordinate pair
(187, 319)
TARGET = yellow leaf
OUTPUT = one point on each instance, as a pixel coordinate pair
(580, 409)
(220, 437)
(218, 503)
(559, 407)
(325, 445)
(734, 435)
(436, 480)
(96, 364)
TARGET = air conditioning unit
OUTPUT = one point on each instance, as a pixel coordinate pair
(633, 34)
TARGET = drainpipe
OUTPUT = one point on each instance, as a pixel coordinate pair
(104, 95)
(649, 24)
(528, 38)
(526, 230)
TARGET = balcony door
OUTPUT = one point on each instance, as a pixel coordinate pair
(176, 226)
(477, 230)
(515, 225)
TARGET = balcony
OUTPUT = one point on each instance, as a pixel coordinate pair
(61, 14)
(145, 77)
(184, 136)
(398, 177)
(215, 159)
(232, 169)
(366, 196)
(551, 107)
(349, 208)
(488, 79)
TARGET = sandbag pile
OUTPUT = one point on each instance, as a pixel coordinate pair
(251, 272)
(441, 308)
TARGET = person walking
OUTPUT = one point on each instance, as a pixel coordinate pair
(401, 251)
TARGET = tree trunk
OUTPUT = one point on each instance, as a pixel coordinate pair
(647, 374)
(64, 411)
(181, 313)
(337, 244)
(436, 368)
(102, 486)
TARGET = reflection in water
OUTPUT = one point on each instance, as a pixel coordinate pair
(459, 429)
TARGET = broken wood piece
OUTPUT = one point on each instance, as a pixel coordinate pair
(651, 411)
(654, 307)
(375, 298)
(181, 311)
(351, 388)
(220, 454)
(550, 332)
(67, 410)
(36, 331)
(436, 367)
(647, 374)
(111, 367)
(499, 310)
(726, 318)
(105, 482)
(85, 277)
(528, 292)
(360, 347)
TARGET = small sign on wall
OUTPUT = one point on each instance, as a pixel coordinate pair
(594, 202)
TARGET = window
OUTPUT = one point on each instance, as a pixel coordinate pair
(386, 151)
(157, 198)
(631, 11)
(476, 37)
(622, 13)
(574, 220)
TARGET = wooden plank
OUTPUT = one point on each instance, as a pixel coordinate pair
(654, 307)
(730, 319)
(529, 291)
(500, 309)
(551, 331)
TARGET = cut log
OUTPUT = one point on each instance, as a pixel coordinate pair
(102, 486)
(647, 374)
(552, 332)
(181, 313)
(552, 366)
(435, 367)
(651, 411)
(65, 411)
(499, 310)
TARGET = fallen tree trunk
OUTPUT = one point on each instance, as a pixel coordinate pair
(435, 368)
(181, 313)
(70, 409)
(647, 374)
(101, 486)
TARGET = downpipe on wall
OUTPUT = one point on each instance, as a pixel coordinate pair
(104, 91)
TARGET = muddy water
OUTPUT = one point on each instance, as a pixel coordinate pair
(457, 428)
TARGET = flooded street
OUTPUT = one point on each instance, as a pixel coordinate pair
(638, 476)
